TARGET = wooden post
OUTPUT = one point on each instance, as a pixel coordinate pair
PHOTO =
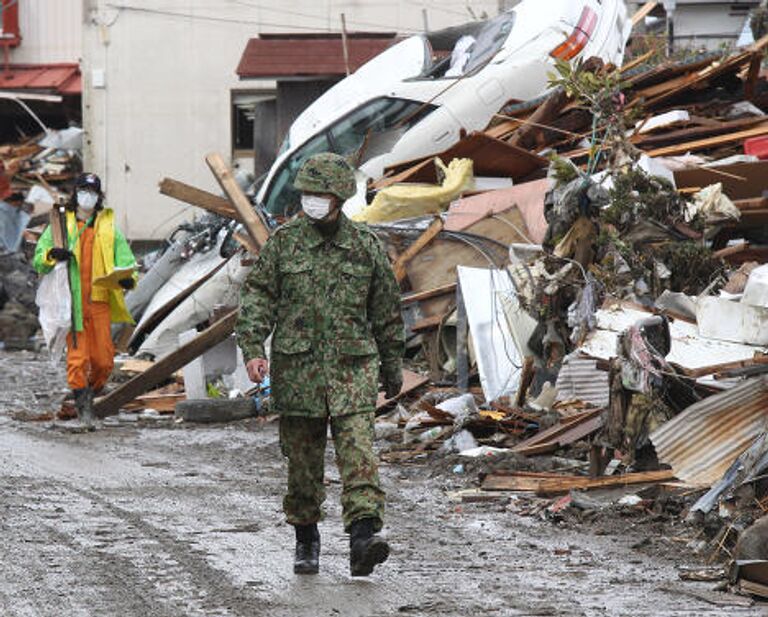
(252, 221)
(198, 197)
(344, 45)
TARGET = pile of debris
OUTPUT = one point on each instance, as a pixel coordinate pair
(585, 288)
(35, 174)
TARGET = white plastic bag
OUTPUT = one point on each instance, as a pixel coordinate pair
(55, 304)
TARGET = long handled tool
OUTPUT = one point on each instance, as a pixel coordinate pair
(61, 240)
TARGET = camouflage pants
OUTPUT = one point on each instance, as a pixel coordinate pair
(303, 441)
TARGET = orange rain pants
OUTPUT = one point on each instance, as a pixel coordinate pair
(90, 362)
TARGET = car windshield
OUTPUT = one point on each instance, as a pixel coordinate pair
(490, 40)
(368, 131)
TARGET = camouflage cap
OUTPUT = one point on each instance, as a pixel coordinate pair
(327, 173)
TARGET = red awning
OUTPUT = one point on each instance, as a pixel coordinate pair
(62, 79)
(297, 55)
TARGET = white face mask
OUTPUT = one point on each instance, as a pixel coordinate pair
(87, 200)
(315, 207)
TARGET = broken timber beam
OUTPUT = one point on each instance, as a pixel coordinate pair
(110, 404)
(422, 241)
(643, 12)
(256, 227)
(428, 293)
(701, 144)
(198, 197)
(548, 484)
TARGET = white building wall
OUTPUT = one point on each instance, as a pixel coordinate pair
(169, 70)
(51, 31)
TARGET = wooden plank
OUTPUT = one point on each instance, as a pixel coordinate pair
(435, 227)
(198, 197)
(643, 12)
(428, 323)
(56, 228)
(701, 144)
(672, 137)
(562, 484)
(725, 366)
(429, 293)
(553, 432)
(531, 133)
(164, 368)
(257, 229)
(162, 403)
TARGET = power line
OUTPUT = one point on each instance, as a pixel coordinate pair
(299, 14)
(138, 9)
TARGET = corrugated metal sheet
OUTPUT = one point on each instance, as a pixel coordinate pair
(703, 441)
(579, 379)
(51, 31)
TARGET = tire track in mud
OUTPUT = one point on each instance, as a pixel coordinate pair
(165, 523)
(114, 561)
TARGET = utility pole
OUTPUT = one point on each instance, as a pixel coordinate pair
(669, 7)
(425, 20)
(345, 49)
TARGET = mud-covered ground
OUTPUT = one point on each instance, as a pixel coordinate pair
(161, 519)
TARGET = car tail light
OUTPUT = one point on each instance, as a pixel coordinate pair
(579, 38)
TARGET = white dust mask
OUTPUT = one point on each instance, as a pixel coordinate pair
(87, 200)
(315, 207)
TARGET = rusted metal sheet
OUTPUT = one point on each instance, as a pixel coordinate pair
(702, 442)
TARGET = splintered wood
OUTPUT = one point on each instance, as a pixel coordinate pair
(545, 484)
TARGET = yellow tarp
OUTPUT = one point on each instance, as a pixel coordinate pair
(402, 201)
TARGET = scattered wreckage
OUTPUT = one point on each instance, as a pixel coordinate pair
(585, 287)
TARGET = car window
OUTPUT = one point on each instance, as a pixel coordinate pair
(368, 131)
(372, 121)
(489, 41)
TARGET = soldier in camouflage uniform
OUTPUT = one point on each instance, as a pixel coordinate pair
(324, 288)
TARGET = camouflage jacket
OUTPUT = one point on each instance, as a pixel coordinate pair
(333, 306)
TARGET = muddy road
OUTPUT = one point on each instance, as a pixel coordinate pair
(166, 520)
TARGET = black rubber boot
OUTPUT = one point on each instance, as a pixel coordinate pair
(307, 557)
(84, 406)
(366, 550)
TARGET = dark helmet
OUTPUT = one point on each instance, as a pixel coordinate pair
(88, 181)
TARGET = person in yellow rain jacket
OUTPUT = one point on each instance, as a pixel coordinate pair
(95, 248)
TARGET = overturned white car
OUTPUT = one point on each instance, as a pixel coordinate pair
(404, 105)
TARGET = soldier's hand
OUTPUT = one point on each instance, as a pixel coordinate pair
(258, 369)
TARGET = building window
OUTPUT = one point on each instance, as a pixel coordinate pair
(254, 128)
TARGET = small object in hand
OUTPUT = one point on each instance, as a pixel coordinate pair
(127, 283)
(60, 254)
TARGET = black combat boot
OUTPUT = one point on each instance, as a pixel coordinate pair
(366, 550)
(307, 558)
